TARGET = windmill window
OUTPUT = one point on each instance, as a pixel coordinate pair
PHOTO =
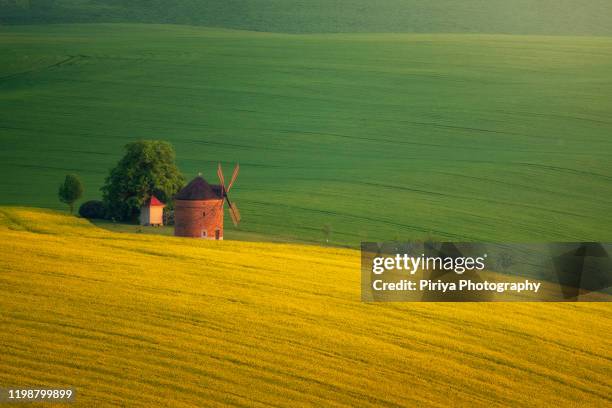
(203, 213)
(204, 234)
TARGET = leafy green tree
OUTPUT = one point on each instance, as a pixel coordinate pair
(70, 191)
(148, 168)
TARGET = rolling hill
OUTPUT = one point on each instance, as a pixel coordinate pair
(535, 17)
(378, 136)
(394, 119)
(141, 320)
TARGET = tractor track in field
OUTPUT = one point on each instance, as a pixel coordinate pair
(515, 185)
(66, 61)
(453, 147)
(447, 195)
(361, 217)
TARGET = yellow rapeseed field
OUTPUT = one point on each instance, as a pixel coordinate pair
(143, 320)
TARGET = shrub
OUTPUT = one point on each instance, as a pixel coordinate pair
(92, 209)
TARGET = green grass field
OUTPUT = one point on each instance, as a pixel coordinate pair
(380, 136)
(567, 17)
(141, 320)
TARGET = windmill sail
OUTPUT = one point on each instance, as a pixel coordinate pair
(221, 179)
(233, 209)
(234, 213)
(234, 176)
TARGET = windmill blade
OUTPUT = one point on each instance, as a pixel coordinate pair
(221, 178)
(234, 176)
(234, 213)
(234, 220)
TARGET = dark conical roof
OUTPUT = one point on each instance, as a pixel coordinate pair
(199, 189)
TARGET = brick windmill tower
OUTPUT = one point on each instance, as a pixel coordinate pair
(198, 207)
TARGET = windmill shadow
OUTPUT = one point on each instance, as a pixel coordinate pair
(582, 268)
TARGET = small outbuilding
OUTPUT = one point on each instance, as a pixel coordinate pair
(152, 213)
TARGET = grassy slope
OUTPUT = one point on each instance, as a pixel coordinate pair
(380, 136)
(566, 17)
(165, 321)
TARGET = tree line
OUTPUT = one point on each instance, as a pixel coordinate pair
(148, 168)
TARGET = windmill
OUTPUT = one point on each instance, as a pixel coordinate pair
(234, 213)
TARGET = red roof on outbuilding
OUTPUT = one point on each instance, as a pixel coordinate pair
(154, 202)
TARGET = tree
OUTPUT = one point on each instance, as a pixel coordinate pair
(148, 168)
(70, 191)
